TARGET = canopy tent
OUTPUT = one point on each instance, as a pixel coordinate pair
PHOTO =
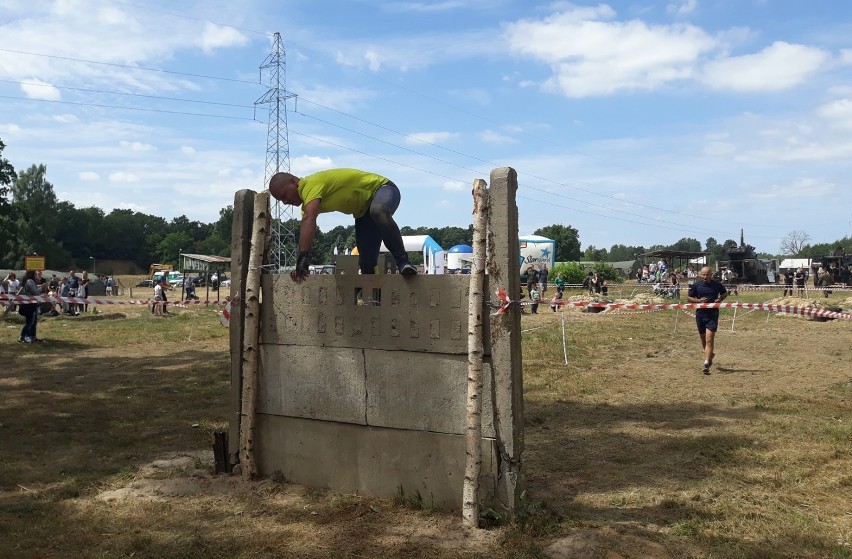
(679, 259)
(433, 253)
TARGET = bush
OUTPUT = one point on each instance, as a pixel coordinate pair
(575, 274)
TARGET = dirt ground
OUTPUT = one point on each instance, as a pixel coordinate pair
(630, 451)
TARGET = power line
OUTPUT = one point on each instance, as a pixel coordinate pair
(419, 93)
(549, 142)
(493, 164)
(128, 66)
(146, 96)
(142, 109)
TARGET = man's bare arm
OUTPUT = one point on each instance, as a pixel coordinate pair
(308, 227)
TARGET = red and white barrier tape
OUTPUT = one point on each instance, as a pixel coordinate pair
(24, 299)
(225, 319)
(786, 309)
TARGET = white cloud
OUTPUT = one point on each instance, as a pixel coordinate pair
(777, 67)
(430, 137)
(798, 189)
(89, 176)
(839, 112)
(188, 150)
(307, 164)
(217, 36)
(592, 56)
(417, 51)
(37, 89)
(65, 118)
(718, 149)
(492, 137)
(9, 128)
(121, 176)
(683, 7)
(422, 7)
(337, 98)
(137, 146)
(454, 186)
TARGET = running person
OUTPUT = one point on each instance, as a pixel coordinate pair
(707, 290)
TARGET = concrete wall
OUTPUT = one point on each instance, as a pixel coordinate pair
(363, 380)
(363, 385)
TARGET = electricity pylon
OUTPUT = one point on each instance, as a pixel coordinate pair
(283, 239)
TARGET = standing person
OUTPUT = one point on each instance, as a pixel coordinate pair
(707, 290)
(788, 283)
(29, 310)
(532, 279)
(596, 282)
(560, 284)
(83, 290)
(542, 278)
(372, 199)
(73, 287)
(535, 298)
(674, 280)
(800, 277)
(109, 286)
(65, 293)
(11, 285)
(825, 278)
(159, 297)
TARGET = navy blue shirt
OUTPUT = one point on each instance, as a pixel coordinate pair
(712, 291)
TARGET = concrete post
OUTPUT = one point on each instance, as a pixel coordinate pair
(506, 363)
(240, 246)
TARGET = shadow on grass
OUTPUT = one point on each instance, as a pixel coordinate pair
(575, 448)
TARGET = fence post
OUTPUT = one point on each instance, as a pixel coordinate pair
(506, 361)
(240, 244)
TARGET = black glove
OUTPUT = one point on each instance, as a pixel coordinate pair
(302, 270)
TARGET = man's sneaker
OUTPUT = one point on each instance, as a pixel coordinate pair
(28, 340)
(706, 368)
(407, 270)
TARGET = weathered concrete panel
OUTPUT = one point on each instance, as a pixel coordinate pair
(370, 460)
(408, 390)
(424, 313)
(303, 381)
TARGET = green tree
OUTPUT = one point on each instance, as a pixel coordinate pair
(36, 204)
(688, 245)
(8, 217)
(170, 247)
(567, 241)
(620, 253)
(594, 254)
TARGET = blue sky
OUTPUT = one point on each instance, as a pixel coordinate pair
(635, 122)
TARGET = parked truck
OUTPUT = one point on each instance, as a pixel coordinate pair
(157, 270)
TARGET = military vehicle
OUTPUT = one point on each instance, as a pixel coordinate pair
(741, 265)
(842, 263)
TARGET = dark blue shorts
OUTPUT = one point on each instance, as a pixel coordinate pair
(707, 323)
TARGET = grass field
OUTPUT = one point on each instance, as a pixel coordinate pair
(630, 450)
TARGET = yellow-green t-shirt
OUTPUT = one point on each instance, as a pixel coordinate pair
(341, 190)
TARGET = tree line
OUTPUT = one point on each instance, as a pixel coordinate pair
(34, 221)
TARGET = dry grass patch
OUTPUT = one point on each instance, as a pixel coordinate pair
(630, 450)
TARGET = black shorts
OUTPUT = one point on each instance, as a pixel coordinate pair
(705, 323)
